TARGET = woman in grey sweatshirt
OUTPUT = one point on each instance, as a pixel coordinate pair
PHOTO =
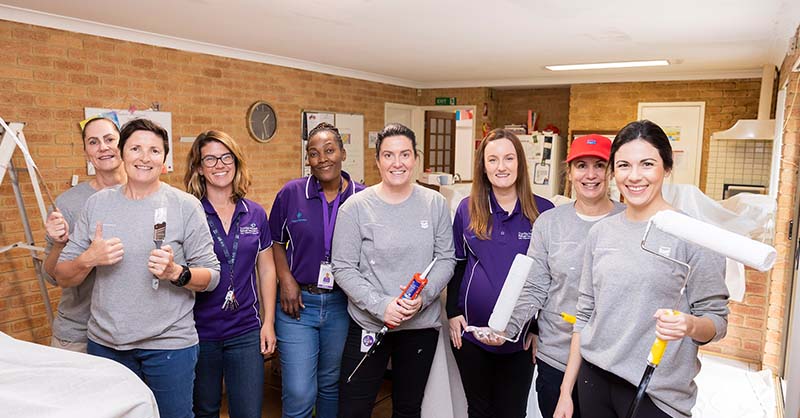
(383, 236)
(626, 296)
(557, 246)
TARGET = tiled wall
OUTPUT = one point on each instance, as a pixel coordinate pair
(737, 162)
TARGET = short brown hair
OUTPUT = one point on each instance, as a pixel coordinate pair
(196, 184)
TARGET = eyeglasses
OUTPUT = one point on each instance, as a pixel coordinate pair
(211, 160)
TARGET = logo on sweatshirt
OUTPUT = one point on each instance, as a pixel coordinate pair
(251, 229)
(299, 218)
(524, 235)
(423, 224)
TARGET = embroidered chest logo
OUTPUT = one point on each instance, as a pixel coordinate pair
(664, 251)
(251, 229)
(299, 218)
(423, 224)
(524, 235)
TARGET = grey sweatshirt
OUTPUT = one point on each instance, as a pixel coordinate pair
(126, 311)
(557, 247)
(70, 321)
(377, 248)
(621, 288)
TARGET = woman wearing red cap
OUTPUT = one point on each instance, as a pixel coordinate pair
(557, 246)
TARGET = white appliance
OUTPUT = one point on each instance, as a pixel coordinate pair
(545, 153)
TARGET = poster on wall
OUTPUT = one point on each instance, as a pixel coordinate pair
(162, 118)
(673, 133)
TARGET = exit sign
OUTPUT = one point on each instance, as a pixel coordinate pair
(445, 101)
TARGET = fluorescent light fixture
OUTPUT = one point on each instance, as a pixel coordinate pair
(604, 65)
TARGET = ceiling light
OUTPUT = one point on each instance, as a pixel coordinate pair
(603, 65)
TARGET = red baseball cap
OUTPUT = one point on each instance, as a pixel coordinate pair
(593, 145)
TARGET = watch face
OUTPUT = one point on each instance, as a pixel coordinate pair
(261, 122)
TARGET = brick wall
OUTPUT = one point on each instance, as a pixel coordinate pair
(781, 276)
(612, 105)
(48, 76)
(551, 104)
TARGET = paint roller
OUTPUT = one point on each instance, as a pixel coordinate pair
(737, 247)
(507, 301)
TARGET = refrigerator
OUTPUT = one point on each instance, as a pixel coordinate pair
(545, 153)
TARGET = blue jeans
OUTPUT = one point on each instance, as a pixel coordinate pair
(168, 373)
(311, 354)
(239, 361)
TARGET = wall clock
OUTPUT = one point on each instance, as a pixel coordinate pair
(261, 121)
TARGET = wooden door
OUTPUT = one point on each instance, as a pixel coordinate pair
(440, 141)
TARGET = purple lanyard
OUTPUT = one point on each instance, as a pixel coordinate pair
(329, 220)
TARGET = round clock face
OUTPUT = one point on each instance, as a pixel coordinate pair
(261, 121)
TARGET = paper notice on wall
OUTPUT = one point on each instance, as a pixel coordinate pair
(373, 138)
(673, 133)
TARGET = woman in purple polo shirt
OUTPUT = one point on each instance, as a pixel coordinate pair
(490, 228)
(312, 320)
(233, 336)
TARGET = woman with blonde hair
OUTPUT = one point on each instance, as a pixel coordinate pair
(491, 226)
(233, 335)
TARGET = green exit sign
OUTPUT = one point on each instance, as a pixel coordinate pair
(445, 101)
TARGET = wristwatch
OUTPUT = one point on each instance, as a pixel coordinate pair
(184, 278)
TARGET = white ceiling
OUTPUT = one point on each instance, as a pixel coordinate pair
(450, 43)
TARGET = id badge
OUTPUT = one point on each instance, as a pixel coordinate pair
(325, 279)
(367, 340)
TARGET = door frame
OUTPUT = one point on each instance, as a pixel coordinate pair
(698, 159)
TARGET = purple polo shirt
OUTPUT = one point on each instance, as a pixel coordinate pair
(488, 261)
(212, 323)
(296, 221)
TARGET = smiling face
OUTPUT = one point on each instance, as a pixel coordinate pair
(218, 174)
(639, 172)
(325, 157)
(396, 161)
(501, 164)
(143, 155)
(100, 145)
(589, 176)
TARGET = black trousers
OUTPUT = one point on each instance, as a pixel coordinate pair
(605, 395)
(548, 390)
(496, 385)
(412, 355)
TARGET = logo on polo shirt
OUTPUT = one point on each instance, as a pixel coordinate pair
(524, 235)
(299, 218)
(251, 229)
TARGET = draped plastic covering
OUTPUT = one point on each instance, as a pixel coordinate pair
(41, 381)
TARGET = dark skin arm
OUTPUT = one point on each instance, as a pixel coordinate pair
(291, 297)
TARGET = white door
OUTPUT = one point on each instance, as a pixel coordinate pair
(683, 124)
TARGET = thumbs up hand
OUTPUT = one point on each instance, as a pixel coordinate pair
(104, 252)
(57, 227)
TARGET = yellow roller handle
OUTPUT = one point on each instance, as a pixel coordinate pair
(568, 318)
(658, 348)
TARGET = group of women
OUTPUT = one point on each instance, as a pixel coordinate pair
(177, 280)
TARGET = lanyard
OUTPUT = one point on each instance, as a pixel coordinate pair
(230, 258)
(329, 220)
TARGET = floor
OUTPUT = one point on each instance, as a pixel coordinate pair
(726, 388)
(272, 397)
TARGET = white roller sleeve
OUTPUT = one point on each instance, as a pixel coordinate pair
(742, 249)
(512, 288)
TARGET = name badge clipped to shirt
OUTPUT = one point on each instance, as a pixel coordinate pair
(367, 340)
(325, 278)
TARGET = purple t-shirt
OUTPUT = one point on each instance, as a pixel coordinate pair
(296, 221)
(488, 261)
(212, 323)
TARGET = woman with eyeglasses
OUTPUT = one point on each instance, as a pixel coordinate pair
(233, 336)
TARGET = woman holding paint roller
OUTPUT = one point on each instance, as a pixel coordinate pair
(622, 285)
(557, 246)
(383, 236)
(491, 227)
